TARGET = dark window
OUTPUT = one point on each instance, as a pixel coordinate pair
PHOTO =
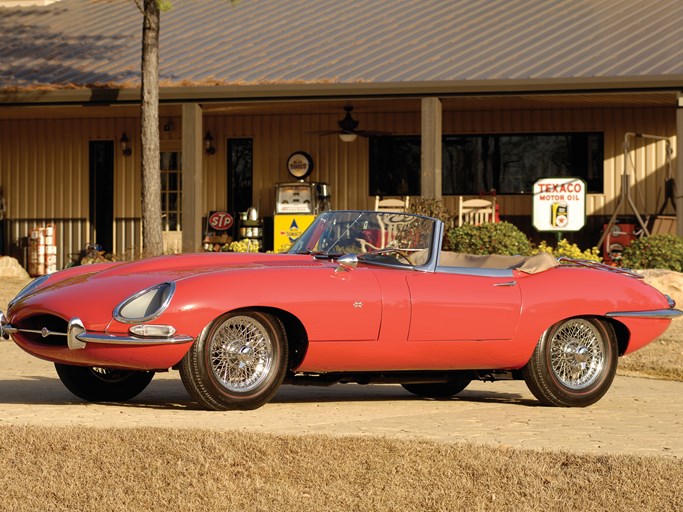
(472, 164)
(171, 190)
(101, 193)
(240, 174)
(394, 166)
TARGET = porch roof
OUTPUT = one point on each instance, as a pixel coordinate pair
(89, 52)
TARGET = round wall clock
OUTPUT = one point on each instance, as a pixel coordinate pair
(300, 165)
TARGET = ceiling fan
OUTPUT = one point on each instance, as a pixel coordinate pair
(348, 128)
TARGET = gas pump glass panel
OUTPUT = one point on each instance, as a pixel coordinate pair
(376, 237)
(294, 198)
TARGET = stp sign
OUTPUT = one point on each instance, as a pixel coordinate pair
(559, 204)
(220, 221)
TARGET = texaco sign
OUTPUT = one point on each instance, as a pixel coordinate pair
(559, 204)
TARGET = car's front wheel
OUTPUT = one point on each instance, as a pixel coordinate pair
(573, 364)
(238, 362)
(96, 384)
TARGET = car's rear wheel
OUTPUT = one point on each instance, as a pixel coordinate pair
(574, 363)
(96, 384)
(438, 389)
(238, 362)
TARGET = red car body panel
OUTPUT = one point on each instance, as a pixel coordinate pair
(370, 318)
(500, 340)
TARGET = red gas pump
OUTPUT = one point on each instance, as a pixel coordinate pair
(617, 239)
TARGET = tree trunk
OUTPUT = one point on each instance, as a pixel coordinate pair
(152, 242)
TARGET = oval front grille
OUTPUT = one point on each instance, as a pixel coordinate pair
(50, 329)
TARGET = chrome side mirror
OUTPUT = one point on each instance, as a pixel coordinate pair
(347, 262)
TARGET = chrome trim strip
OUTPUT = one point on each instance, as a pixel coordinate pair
(656, 313)
(598, 266)
(44, 332)
(78, 337)
(5, 328)
(132, 340)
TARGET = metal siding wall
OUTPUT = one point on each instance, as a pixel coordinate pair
(345, 165)
(342, 165)
(44, 172)
(650, 158)
(44, 163)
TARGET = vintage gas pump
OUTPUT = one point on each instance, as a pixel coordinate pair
(297, 203)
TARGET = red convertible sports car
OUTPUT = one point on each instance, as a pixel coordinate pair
(361, 297)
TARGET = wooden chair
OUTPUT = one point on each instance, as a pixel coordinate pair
(391, 204)
(476, 211)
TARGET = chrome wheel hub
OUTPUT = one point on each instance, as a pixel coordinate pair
(241, 354)
(577, 354)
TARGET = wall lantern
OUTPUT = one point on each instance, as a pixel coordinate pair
(208, 144)
(125, 145)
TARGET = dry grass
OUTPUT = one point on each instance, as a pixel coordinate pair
(57, 469)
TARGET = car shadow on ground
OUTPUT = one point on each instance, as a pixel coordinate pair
(170, 394)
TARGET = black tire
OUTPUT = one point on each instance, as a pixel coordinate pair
(103, 384)
(573, 364)
(438, 389)
(238, 362)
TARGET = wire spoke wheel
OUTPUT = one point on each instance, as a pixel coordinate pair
(574, 363)
(241, 353)
(577, 354)
(238, 362)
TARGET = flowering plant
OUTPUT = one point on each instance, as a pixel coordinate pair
(246, 245)
(564, 248)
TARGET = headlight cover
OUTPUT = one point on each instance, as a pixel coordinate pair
(145, 305)
(29, 288)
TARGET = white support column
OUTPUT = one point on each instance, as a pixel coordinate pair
(192, 158)
(678, 200)
(431, 148)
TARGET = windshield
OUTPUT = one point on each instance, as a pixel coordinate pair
(377, 237)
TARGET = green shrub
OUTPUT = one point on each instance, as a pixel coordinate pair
(564, 248)
(432, 208)
(496, 238)
(657, 251)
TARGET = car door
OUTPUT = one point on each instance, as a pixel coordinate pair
(337, 306)
(455, 307)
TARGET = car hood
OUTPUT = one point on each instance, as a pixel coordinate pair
(100, 288)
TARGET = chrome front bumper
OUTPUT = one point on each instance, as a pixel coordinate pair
(77, 337)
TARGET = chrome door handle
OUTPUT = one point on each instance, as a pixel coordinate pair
(507, 283)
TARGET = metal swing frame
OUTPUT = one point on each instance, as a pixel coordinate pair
(626, 182)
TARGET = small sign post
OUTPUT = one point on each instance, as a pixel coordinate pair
(559, 204)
